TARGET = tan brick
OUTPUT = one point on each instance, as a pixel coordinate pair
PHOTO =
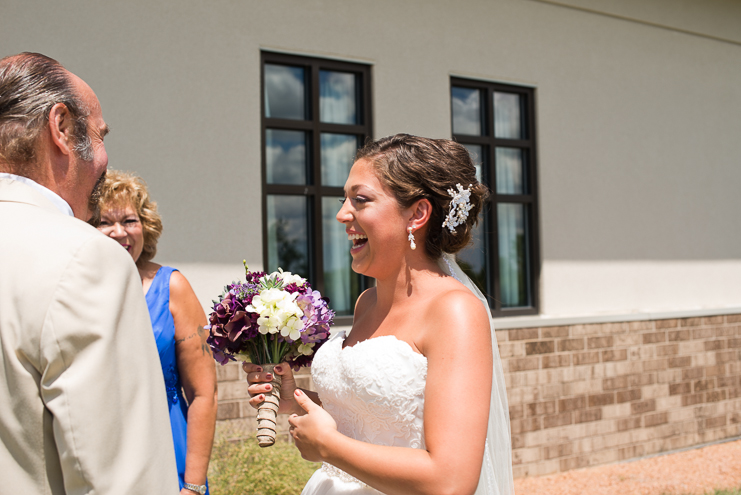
(583, 330)
(680, 388)
(612, 355)
(678, 335)
(540, 408)
(554, 332)
(713, 320)
(556, 361)
(692, 399)
(525, 425)
(523, 334)
(574, 462)
(669, 376)
(666, 323)
(727, 381)
(586, 358)
(516, 412)
(542, 347)
(227, 410)
(733, 318)
(714, 345)
(702, 385)
(554, 451)
(655, 365)
(587, 415)
(572, 404)
(571, 345)
(667, 350)
(718, 370)
(523, 364)
(557, 420)
(725, 331)
(615, 383)
(631, 452)
(655, 419)
(518, 441)
(734, 343)
(715, 422)
(691, 347)
(635, 326)
(629, 423)
(643, 406)
(690, 322)
(628, 339)
(716, 395)
(229, 372)
(654, 337)
(598, 400)
(680, 362)
(232, 390)
(702, 333)
(511, 349)
(692, 373)
(641, 379)
(599, 342)
(628, 395)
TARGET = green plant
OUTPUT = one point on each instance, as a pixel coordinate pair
(240, 467)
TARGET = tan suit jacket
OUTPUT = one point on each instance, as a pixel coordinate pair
(83, 408)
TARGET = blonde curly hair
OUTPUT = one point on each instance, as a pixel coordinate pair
(122, 189)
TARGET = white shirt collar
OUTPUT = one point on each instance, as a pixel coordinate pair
(56, 200)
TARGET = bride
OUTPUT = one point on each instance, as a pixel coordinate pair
(412, 401)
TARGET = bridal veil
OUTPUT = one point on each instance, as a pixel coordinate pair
(496, 470)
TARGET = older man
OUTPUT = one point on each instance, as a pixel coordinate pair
(82, 399)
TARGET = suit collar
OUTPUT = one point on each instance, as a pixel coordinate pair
(15, 191)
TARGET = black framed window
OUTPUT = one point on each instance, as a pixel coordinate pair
(315, 115)
(496, 123)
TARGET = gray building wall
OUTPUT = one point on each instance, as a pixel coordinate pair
(638, 112)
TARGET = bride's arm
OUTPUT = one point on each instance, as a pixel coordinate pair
(457, 344)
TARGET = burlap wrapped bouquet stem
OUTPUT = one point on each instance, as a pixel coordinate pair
(267, 412)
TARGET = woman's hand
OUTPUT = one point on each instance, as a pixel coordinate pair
(312, 429)
(259, 381)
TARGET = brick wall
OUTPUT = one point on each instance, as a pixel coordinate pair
(582, 395)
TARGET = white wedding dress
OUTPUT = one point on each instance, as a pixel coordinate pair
(375, 391)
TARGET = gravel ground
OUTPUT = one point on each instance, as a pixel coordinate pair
(692, 472)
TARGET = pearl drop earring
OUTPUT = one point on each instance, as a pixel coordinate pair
(410, 238)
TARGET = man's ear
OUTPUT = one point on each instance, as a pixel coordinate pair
(420, 213)
(61, 126)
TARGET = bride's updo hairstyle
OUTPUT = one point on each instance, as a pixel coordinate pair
(416, 168)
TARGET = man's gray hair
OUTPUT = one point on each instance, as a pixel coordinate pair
(30, 85)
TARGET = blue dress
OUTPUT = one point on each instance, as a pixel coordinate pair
(158, 301)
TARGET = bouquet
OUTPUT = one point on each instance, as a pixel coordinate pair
(269, 319)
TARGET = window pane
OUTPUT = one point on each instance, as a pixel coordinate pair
(341, 284)
(513, 255)
(472, 259)
(507, 116)
(288, 241)
(286, 157)
(510, 171)
(466, 111)
(477, 155)
(337, 97)
(338, 152)
(285, 92)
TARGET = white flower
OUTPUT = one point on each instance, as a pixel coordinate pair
(278, 313)
(289, 278)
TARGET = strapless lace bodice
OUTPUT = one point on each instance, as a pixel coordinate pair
(375, 392)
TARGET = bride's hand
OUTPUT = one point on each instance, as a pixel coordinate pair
(311, 429)
(259, 381)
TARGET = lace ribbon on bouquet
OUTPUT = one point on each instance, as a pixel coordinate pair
(496, 469)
